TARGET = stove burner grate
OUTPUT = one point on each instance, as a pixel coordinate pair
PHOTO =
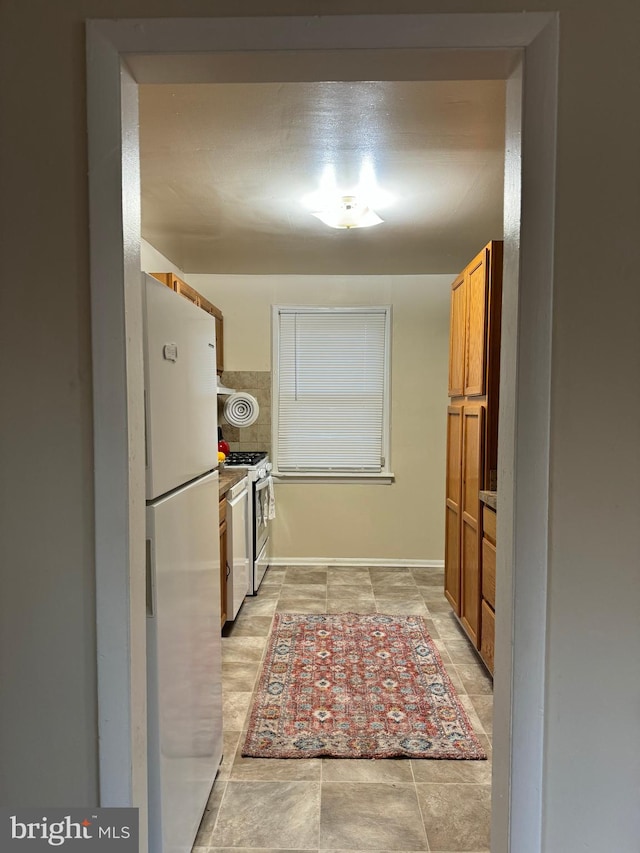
(239, 457)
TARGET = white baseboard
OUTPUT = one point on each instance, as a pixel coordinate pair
(355, 562)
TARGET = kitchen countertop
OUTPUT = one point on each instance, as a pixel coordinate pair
(489, 498)
(229, 477)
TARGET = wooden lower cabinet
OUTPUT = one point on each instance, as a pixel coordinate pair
(489, 573)
(469, 529)
(488, 615)
(453, 496)
(224, 570)
(470, 520)
(487, 643)
(463, 524)
(463, 520)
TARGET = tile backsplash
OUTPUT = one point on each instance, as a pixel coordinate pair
(258, 384)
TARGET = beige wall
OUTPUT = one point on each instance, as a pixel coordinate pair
(151, 260)
(403, 521)
(48, 736)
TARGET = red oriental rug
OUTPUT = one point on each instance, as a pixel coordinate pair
(350, 686)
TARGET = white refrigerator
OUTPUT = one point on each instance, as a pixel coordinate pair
(184, 681)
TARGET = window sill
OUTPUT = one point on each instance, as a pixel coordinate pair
(384, 478)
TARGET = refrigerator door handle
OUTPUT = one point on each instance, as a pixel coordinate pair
(146, 433)
(150, 585)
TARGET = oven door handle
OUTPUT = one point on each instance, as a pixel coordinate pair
(261, 539)
(262, 484)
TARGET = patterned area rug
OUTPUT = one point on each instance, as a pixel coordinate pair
(350, 686)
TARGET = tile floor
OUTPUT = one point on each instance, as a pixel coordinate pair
(347, 806)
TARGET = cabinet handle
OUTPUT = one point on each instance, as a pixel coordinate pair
(228, 569)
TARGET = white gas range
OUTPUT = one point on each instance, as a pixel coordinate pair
(258, 468)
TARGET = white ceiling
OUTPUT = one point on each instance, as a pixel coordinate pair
(225, 165)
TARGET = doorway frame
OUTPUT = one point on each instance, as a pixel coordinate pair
(114, 185)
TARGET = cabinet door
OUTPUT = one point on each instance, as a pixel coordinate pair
(487, 647)
(224, 572)
(222, 513)
(210, 308)
(457, 337)
(452, 509)
(489, 572)
(494, 330)
(470, 539)
(219, 345)
(476, 329)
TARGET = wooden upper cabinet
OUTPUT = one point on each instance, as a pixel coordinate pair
(457, 337)
(165, 277)
(217, 313)
(176, 283)
(209, 307)
(219, 344)
(476, 337)
(494, 334)
(187, 291)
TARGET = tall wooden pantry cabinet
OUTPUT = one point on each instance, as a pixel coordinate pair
(472, 428)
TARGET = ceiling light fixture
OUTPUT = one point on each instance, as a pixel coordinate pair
(348, 209)
(348, 212)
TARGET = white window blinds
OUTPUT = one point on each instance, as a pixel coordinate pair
(331, 389)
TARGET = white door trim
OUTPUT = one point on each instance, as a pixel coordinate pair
(525, 378)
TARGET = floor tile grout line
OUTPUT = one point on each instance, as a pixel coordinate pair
(215, 823)
(424, 825)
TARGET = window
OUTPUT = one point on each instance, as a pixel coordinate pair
(331, 393)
